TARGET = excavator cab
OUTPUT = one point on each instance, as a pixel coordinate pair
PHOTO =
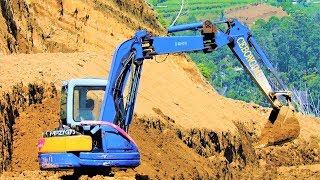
(81, 99)
(81, 140)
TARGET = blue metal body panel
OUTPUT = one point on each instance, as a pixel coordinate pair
(221, 39)
(164, 45)
(70, 160)
(58, 160)
(108, 110)
(110, 156)
(112, 141)
(110, 163)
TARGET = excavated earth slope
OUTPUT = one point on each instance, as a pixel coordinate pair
(32, 26)
(183, 128)
(168, 150)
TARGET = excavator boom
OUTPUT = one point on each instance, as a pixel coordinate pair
(237, 37)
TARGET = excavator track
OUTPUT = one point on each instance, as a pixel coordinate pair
(283, 126)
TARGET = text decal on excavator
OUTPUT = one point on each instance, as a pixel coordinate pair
(184, 43)
(249, 57)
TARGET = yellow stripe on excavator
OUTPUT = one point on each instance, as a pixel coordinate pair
(65, 144)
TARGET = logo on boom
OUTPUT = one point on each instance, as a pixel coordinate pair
(249, 57)
(183, 43)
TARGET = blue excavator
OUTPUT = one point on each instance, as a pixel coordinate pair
(96, 115)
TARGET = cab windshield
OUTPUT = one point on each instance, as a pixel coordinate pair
(87, 102)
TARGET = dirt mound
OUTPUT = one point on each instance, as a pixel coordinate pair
(249, 14)
(12, 106)
(284, 127)
(31, 123)
(67, 26)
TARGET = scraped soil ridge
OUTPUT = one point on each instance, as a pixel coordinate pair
(15, 104)
(167, 149)
(68, 26)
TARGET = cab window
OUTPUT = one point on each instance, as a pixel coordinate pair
(87, 101)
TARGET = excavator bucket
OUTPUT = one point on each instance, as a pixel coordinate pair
(283, 126)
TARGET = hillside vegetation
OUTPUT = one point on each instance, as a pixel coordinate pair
(290, 43)
(195, 10)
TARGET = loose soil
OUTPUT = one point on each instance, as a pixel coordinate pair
(183, 128)
(168, 150)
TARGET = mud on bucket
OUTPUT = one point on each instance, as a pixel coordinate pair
(283, 126)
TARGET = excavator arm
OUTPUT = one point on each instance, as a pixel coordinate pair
(130, 55)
